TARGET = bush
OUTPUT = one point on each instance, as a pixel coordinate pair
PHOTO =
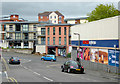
(69, 55)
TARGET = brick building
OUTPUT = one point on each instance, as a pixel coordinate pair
(54, 17)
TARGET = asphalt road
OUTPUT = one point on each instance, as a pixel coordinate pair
(32, 69)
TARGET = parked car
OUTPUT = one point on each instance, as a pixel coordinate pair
(49, 58)
(72, 66)
(14, 60)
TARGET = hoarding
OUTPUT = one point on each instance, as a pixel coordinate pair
(86, 52)
(103, 56)
(113, 56)
(94, 55)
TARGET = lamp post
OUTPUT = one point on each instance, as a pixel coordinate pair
(78, 40)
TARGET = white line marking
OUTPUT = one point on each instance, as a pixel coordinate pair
(47, 78)
(36, 73)
(6, 74)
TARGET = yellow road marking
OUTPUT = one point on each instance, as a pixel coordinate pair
(5, 63)
(12, 80)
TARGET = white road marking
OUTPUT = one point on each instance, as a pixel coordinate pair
(6, 74)
(0, 72)
(36, 73)
(47, 78)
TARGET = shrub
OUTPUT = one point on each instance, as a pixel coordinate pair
(69, 55)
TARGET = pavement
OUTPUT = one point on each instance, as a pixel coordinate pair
(32, 69)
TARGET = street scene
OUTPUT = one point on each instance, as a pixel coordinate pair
(66, 42)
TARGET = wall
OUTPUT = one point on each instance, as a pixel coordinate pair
(53, 14)
(96, 30)
(71, 21)
(40, 48)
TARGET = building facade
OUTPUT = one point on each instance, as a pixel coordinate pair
(76, 20)
(99, 41)
(54, 38)
(20, 34)
(54, 17)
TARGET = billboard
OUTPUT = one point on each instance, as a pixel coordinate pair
(86, 52)
(94, 55)
(113, 56)
(103, 56)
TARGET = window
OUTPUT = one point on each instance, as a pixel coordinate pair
(59, 30)
(53, 30)
(34, 27)
(48, 40)
(41, 17)
(42, 31)
(60, 22)
(43, 40)
(25, 36)
(65, 40)
(59, 40)
(48, 31)
(25, 27)
(10, 27)
(18, 35)
(64, 30)
(4, 27)
(51, 17)
(55, 21)
(34, 35)
(18, 28)
(60, 17)
(69, 31)
(55, 17)
(53, 40)
(10, 35)
(26, 43)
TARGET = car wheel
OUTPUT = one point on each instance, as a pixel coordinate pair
(51, 60)
(42, 59)
(62, 70)
(68, 70)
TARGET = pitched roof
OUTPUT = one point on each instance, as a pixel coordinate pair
(49, 12)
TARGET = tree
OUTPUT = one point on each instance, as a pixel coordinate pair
(103, 11)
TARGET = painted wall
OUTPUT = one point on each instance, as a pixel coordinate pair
(96, 30)
(53, 14)
(40, 48)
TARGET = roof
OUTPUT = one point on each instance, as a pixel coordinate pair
(55, 25)
(75, 18)
(22, 22)
(49, 12)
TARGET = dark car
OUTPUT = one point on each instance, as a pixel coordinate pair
(72, 66)
(14, 60)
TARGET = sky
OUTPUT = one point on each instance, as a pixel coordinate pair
(29, 10)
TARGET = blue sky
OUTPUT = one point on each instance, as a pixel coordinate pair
(30, 10)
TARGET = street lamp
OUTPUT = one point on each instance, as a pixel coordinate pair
(78, 39)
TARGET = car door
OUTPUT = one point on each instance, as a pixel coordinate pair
(66, 65)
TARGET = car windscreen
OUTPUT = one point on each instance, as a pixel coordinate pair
(74, 63)
(15, 58)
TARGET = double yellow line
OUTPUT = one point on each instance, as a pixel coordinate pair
(11, 79)
(5, 63)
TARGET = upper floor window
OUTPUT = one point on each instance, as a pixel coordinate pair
(25, 27)
(50, 17)
(4, 27)
(48, 40)
(10, 35)
(59, 30)
(59, 40)
(64, 30)
(53, 30)
(55, 21)
(53, 40)
(48, 31)
(60, 21)
(42, 31)
(55, 17)
(34, 27)
(60, 17)
(34, 35)
(18, 35)
(65, 40)
(11, 27)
